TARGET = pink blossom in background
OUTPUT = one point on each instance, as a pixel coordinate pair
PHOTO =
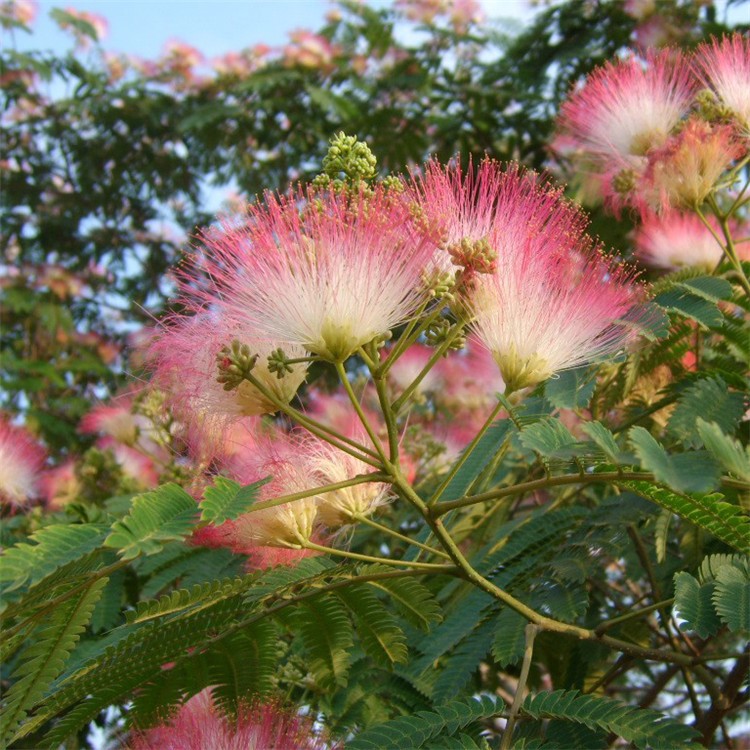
(198, 725)
(135, 465)
(674, 240)
(686, 169)
(21, 463)
(309, 50)
(724, 66)
(60, 485)
(18, 11)
(97, 22)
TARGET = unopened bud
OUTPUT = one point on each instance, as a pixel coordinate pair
(440, 331)
(235, 362)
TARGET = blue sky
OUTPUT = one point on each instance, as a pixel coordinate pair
(213, 26)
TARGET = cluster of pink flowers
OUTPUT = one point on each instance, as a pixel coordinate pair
(199, 725)
(662, 132)
(21, 462)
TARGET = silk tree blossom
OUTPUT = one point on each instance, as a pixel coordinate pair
(289, 525)
(623, 111)
(199, 725)
(464, 209)
(682, 173)
(674, 240)
(341, 507)
(329, 277)
(553, 302)
(184, 360)
(21, 463)
(724, 66)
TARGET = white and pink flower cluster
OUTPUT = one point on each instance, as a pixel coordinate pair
(199, 725)
(641, 127)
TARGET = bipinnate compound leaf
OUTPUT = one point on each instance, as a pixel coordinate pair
(709, 512)
(327, 634)
(226, 499)
(693, 605)
(53, 547)
(46, 655)
(725, 449)
(604, 439)
(510, 638)
(644, 728)
(731, 596)
(415, 731)
(414, 601)
(165, 514)
(711, 400)
(376, 627)
(693, 471)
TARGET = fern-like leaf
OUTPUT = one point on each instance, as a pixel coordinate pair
(709, 512)
(378, 632)
(731, 596)
(725, 449)
(44, 659)
(643, 727)
(510, 638)
(692, 471)
(707, 399)
(54, 546)
(327, 635)
(412, 732)
(413, 600)
(692, 602)
(165, 514)
(226, 500)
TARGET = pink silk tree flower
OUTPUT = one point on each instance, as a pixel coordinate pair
(626, 108)
(675, 240)
(623, 111)
(724, 66)
(184, 361)
(682, 173)
(553, 302)
(21, 463)
(330, 465)
(474, 213)
(199, 725)
(321, 270)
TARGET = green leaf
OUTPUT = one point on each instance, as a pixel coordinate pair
(463, 662)
(693, 471)
(571, 389)
(725, 449)
(45, 657)
(165, 514)
(709, 399)
(377, 630)
(413, 600)
(548, 436)
(510, 638)
(711, 288)
(693, 604)
(709, 512)
(226, 500)
(731, 596)
(54, 547)
(485, 451)
(327, 635)
(643, 727)
(604, 439)
(661, 534)
(412, 732)
(690, 305)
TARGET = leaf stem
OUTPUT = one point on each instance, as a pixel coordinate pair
(530, 632)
